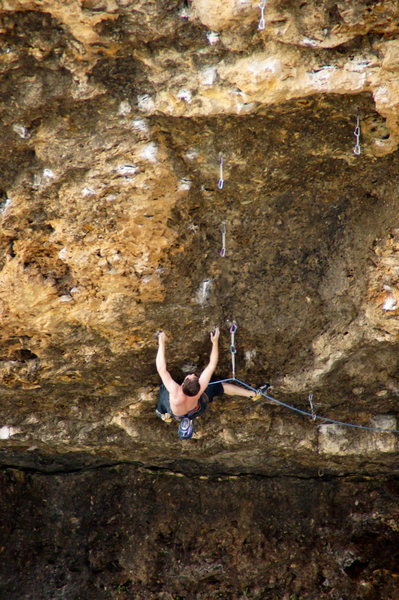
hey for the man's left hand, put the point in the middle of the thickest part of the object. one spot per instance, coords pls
(161, 337)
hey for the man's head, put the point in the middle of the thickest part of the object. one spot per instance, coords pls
(190, 385)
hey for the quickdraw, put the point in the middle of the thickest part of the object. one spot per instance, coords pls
(222, 251)
(262, 22)
(233, 349)
(221, 180)
(356, 133)
(310, 399)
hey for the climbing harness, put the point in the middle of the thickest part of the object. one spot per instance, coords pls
(304, 412)
(222, 251)
(310, 399)
(356, 133)
(262, 22)
(233, 349)
(221, 180)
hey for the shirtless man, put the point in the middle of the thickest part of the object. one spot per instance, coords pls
(188, 400)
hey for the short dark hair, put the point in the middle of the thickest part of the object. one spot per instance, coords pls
(191, 387)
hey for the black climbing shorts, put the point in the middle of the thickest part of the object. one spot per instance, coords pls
(213, 390)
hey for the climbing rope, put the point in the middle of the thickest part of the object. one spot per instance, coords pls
(303, 412)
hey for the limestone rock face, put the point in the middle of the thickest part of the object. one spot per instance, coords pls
(134, 133)
(119, 120)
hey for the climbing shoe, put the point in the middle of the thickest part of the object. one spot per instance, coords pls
(166, 417)
(186, 428)
(260, 391)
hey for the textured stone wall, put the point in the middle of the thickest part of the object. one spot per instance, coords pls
(121, 534)
(114, 118)
(115, 115)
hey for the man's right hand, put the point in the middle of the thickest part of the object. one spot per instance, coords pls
(215, 335)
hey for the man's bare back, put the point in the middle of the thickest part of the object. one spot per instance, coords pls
(182, 404)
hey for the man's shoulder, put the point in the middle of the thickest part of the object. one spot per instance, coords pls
(171, 385)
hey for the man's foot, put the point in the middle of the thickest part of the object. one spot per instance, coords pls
(259, 395)
(166, 417)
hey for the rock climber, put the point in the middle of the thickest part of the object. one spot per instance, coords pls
(189, 400)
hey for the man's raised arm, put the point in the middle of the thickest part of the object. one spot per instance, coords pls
(160, 362)
(207, 373)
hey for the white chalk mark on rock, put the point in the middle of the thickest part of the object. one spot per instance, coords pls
(204, 291)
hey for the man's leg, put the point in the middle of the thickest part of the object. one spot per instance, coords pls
(230, 389)
(163, 410)
(235, 390)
